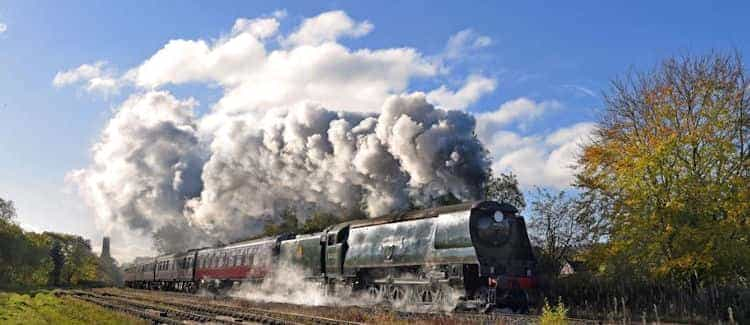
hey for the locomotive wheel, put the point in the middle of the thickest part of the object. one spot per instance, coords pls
(432, 295)
(374, 293)
(397, 294)
(427, 295)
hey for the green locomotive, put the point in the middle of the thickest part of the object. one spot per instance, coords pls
(479, 250)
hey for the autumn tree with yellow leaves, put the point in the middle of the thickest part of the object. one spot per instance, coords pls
(670, 161)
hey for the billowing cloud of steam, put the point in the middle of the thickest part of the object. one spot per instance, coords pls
(146, 165)
(151, 172)
(410, 152)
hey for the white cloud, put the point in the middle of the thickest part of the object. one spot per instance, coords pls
(94, 78)
(255, 78)
(464, 42)
(474, 88)
(260, 28)
(279, 14)
(3, 28)
(328, 27)
(581, 89)
(521, 110)
(538, 159)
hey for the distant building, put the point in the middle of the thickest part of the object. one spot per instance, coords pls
(109, 271)
(570, 267)
(105, 248)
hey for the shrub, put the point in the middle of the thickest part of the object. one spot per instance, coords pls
(556, 315)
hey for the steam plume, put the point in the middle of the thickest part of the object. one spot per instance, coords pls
(149, 172)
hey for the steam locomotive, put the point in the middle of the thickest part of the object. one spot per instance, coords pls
(479, 249)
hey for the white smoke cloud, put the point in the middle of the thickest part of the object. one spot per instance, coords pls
(146, 164)
(410, 152)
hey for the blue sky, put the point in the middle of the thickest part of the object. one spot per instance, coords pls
(559, 56)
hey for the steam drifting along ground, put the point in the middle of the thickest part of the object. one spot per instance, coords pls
(288, 285)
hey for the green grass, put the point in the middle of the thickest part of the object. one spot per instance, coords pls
(45, 308)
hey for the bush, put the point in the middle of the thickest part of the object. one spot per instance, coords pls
(556, 315)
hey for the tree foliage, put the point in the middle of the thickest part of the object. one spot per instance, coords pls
(315, 222)
(554, 227)
(669, 168)
(29, 259)
(504, 188)
(7, 210)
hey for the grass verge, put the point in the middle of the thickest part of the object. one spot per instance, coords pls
(44, 307)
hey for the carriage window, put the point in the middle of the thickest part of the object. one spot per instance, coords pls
(332, 239)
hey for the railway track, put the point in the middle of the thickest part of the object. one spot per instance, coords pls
(225, 309)
(173, 310)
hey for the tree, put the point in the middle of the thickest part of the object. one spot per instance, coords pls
(7, 210)
(670, 163)
(504, 188)
(318, 222)
(555, 227)
(287, 224)
(58, 261)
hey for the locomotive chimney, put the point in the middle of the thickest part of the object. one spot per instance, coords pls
(105, 248)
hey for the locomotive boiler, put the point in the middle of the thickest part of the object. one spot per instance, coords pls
(480, 250)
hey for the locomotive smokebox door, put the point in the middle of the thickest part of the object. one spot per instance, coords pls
(336, 246)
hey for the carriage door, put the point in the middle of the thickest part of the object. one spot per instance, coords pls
(336, 250)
